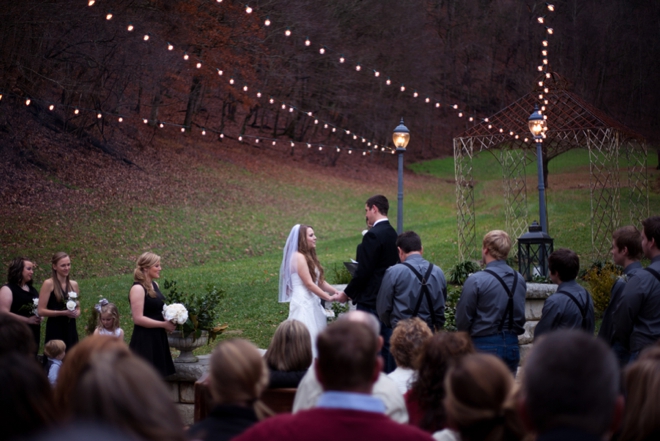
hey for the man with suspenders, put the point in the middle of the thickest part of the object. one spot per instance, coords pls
(413, 288)
(571, 306)
(637, 319)
(492, 305)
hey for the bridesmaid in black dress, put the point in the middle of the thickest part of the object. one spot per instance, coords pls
(53, 297)
(150, 329)
(17, 296)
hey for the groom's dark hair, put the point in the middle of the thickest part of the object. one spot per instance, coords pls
(380, 202)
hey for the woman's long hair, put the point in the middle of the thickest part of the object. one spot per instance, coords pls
(144, 262)
(120, 389)
(291, 347)
(428, 388)
(238, 375)
(57, 288)
(15, 271)
(641, 418)
(310, 255)
(480, 401)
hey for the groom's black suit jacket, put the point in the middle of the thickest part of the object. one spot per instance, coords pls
(376, 253)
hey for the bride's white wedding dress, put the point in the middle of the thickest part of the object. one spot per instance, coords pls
(306, 307)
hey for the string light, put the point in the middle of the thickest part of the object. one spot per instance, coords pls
(146, 37)
(551, 8)
(245, 88)
(415, 94)
(130, 27)
(258, 94)
(144, 120)
(108, 16)
(183, 129)
(545, 43)
(76, 111)
(358, 67)
(427, 100)
(550, 31)
(322, 50)
(91, 2)
(307, 42)
(287, 32)
(248, 9)
(99, 116)
(169, 47)
(267, 22)
(51, 107)
(403, 88)
(341, 59)
(186, 56)
(540, 20)
(120, 119)
(437, 105)
(198, 65)
(376, 73)
(388, 81)
(161, 125)
(231, 80)
(271, 100)
(220, 72)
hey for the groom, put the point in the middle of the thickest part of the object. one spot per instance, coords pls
(376, 253)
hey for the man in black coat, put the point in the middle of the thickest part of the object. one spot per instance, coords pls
(376, 254)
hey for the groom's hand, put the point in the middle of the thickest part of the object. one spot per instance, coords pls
(342, 297)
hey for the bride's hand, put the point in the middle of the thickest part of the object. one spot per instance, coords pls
(340, 297)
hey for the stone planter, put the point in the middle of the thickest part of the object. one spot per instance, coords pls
(187, 345)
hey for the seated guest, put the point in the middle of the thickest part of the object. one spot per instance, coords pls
(641, 418)
(238, 376)
(479, 402)
(424, 398)
(570, 388)
(348, 365)
(310, 389)
(405, 344)
(122, 390)
(289, 354)
(26, 398)
(571, 306)
(77, 361)
(15, 336)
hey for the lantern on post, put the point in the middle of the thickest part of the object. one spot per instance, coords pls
(400, 137)
(534, 247)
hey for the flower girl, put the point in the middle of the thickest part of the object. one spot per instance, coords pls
(108, 322)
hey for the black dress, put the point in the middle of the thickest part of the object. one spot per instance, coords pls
(60, 328)
(20, 297)
(151, 343)
(224, 422)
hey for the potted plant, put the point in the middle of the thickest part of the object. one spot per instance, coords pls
(200, 327)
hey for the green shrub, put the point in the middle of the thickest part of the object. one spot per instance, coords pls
(600, 278)
(453, 295)
(339, 275)
(461, 271)
(202, 309)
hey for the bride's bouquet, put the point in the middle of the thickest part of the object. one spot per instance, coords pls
(175, 313)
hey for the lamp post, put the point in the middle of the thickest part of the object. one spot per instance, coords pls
(537, 126)
(400, 137)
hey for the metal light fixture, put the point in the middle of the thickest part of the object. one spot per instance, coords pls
(534, 248)
(400, 137)
(537, 126)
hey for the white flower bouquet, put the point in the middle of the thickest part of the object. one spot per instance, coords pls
(175, 313)
(72, 295)
(71, 305)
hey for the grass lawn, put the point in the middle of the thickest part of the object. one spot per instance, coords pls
(230, 231)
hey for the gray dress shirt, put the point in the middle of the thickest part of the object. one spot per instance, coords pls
(559, 311)
(400, 291)
(607, 327)
(483, 302)
(637, 319)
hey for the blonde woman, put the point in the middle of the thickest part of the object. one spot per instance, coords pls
(289, 354)
(150, 329)
(54, 296)
(237, 377)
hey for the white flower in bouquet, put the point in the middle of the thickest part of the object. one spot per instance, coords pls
(175, 313)
(35, 306)
(71, 305)
(73, 295)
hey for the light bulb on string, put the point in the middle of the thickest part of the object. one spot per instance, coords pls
(548, 75)
(388, 81)
(320, 148)
(307, 42)
(544, 53)
(271, 101)
(490, 126)
(358, 67)
(341, 59)
(427, 100)
(540, 68)
(283, 106)
(183, 129)
(108, 16)
(76, 111)
(517, 136)
(161, 125)
(364, 153)
(338, 150)
(460, 114)
(258, 94)
(240, 138)
(540, 83)
(309, 145)
(186, 56)
(354, 136)
(144, 120)
(545, 43)
(540, 96)
(415, 94)
(376, 73)
(287, 32)
(369, 144)
(546, 90)
(510, 133)
(540, 20)
(274, 142)
(551, 7)
(120, 119)
(543, 108)
(322, 50)
(348, 132)
(545, 102)
(550, 31)
(364, 140)
(526, 140)
(248, 10)
(221, 136)
(316, 121)
(501, 130)
(256, 141)
(99, 116)
(325, 126)
(203, 132)
(231, 80)
(403, 88)
(290, 109)
(146, 37)
(309, 114)
(350, 152)
(220, 72)
(169, 46)
(245, 88)
(51, 107)
(130, 27)
(267, 22)
(334, 129)
(198, 65)
(91, 2)
(292, 144)
(437, 105)
(455, 106)
(471, 119)
(545, 61)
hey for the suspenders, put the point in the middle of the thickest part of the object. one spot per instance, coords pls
(654, 272)
(509, 305)
(583, 311)
(424, 292)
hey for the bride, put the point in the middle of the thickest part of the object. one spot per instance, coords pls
(302, 282)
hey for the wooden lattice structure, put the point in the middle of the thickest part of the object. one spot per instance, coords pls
(572, 123)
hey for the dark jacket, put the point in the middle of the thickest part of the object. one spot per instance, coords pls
(223, 423)
(282, 379)
(377, 253)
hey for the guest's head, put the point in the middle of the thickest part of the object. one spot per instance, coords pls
(498, 244)
(348, 358)
(147, 268)
(479, 401)
(409, 242)
(571, 380)
(291, 347)
(626, 243)
(641, 418)
(651, 236)
(407, 339)
(238, 373)
(77, 361)
(428, 388)
(26, 398)
(120, 389)
(307, 247)
(55, 349)
(20, 271)
(380, 202)
(15, 336)
(60, 269)
(365, 318)
(564, 265)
